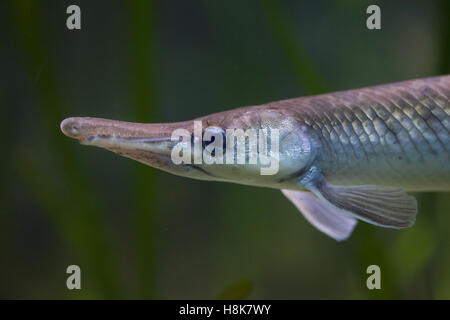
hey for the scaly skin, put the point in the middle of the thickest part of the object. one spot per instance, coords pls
(395, 134)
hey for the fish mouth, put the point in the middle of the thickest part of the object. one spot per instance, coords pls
(100, 132)
(150, 144)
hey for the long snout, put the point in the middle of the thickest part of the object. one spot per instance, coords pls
(150, 144)
(84, 127)
(134, 139)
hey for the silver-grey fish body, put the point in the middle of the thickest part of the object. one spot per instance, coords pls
(396, 134)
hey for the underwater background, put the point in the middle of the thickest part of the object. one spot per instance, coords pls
(140, 233)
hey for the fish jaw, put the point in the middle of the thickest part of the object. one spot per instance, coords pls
(159, 145)
(150, 144)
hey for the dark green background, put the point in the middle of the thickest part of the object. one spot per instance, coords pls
(139, 233)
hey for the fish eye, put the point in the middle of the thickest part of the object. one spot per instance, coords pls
(212, 132)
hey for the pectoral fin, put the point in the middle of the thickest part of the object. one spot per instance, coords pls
(383, 206)
(325, 217)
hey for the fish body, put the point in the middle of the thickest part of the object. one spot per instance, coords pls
(338, 157)
(395, 134)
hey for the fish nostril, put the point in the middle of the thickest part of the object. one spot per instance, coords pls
(70, 127)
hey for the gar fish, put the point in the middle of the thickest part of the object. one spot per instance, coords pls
(341, 156)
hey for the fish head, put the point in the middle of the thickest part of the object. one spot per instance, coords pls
(252, 145)
(255, 145)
